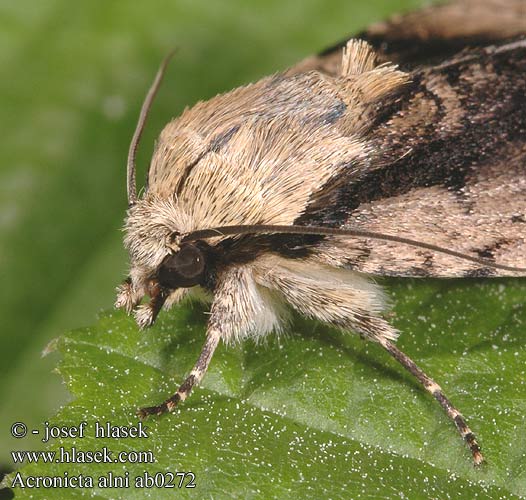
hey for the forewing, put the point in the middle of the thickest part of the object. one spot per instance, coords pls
(448, 168)
(485, 219)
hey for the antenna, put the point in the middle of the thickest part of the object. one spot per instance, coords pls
(134, 144)
(334, 231)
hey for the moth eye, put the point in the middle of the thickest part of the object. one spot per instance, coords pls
(184, 269)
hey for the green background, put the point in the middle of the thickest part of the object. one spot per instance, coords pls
(74, 76)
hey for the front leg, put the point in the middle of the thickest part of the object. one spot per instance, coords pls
(240, 309)
(212, 340)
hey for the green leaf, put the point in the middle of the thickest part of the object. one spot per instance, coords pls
(319, 413)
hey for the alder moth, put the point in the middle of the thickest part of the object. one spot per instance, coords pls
(401, 152)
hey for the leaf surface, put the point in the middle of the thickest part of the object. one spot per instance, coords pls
(318, 413)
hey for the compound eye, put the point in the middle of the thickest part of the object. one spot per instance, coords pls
(184, 269)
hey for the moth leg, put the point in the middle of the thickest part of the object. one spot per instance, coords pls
(197, 373)
(146, 314)
(436, 391)
(233, 314)
(127, 297)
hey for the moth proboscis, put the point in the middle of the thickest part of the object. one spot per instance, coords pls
(291, 191)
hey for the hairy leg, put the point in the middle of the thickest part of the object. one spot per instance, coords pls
(436, 391)
(197, 373)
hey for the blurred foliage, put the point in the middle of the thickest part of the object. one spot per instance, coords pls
(74, 77)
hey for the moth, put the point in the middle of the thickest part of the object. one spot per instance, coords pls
(401, 152)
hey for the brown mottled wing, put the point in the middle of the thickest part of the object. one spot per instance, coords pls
(448, 168)
(487, 218)
(432, 34)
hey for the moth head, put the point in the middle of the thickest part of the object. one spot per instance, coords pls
(185, 268)
(160, 262)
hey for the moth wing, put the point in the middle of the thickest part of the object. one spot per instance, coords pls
(431, 34)
(486, 219)
(448, 167)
